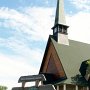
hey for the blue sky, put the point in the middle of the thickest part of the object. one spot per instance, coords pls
(24, 29)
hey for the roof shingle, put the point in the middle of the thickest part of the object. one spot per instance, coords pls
(72, 56)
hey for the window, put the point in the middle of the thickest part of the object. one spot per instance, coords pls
(64, 30)
(55, 30)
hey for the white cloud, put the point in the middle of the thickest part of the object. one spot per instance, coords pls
(46, 1)
(27, 22)
(79, 27)
(26, 28)
(31, 54)
(12, 68)
(33, 24)
(81, 4)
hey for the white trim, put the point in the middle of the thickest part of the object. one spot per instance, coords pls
(76, 87)
(87, 88)
(41, 82)
(64, 87)
(53, 87)
(57, 87)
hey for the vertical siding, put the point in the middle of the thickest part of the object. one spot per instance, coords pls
(52, 63)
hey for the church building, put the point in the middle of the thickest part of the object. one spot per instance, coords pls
(66, 63)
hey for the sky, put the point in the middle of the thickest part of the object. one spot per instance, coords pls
(25, 26)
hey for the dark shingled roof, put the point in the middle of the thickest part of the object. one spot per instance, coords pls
(71, 58)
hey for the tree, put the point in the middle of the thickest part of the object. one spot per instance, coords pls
(85, 69)
(3, 88)
(87, 76)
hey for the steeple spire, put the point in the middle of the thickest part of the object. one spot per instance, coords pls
(60, 16)
(60, 27)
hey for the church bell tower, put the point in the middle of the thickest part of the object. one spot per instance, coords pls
(60, 28)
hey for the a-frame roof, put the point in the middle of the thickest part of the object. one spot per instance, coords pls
(51, 66)
(71, 58)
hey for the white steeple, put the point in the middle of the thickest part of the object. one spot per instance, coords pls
(60, 27)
